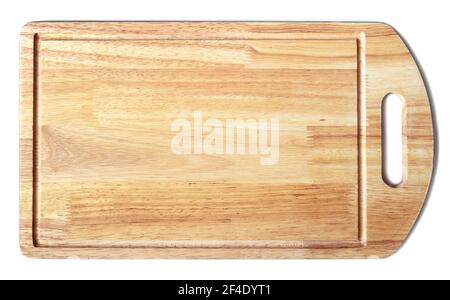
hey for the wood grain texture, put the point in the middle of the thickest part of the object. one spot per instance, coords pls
(99, 180)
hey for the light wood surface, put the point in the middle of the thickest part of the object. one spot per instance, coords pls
(99, 178)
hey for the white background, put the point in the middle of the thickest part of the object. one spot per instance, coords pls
(425, 26)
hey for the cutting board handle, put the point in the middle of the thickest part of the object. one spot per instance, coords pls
(390, 67)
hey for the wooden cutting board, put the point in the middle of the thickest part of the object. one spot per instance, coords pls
(216, 140)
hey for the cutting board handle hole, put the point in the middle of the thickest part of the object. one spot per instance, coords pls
(393, 141)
